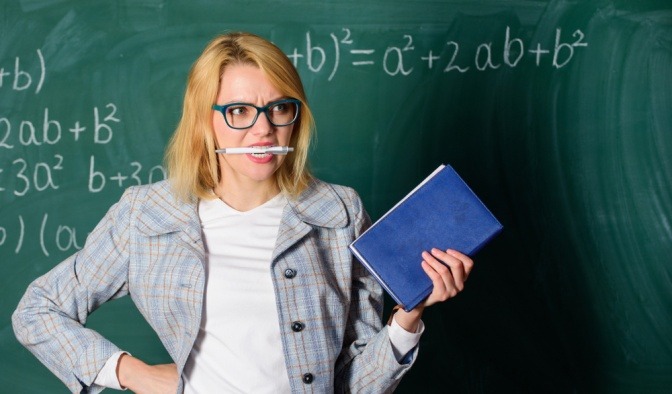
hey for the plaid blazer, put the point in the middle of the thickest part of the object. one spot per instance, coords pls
(149, 245)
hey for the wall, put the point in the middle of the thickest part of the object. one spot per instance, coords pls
(557, 114)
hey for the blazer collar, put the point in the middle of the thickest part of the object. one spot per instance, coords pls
(162, 213)
(319, 205)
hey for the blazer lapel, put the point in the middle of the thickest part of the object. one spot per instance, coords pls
(164, 214)
(291, 230)
(317, 206)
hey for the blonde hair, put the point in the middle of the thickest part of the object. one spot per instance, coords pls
(190, 157)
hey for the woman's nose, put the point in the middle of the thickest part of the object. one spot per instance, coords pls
(262, 126)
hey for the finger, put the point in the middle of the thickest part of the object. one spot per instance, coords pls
(445, 283)
(456, 267)
(466, 260)
(432, 268)
(439, 290)
(434, 276)
(442, 289)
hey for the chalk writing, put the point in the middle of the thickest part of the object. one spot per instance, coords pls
(51, 131)
(136, 176)
(103, 132)
(21, 230)
(64, 238)
(397, 54)
(35, 169)
(18, 79)
(38, 175)
(402, 58)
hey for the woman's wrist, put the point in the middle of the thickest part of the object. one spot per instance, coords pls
(128, 367)
(409, 321)
(137, 376)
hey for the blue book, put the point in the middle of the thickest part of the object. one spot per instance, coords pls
(441, 212)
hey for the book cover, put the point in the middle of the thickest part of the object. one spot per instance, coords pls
(441, 212)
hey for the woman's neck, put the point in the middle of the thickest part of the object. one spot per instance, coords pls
(246, 196)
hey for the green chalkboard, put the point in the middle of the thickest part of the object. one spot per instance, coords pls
(557, 113)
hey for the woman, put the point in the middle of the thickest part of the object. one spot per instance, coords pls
(239, 261)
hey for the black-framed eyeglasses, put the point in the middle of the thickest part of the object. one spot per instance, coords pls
(241, 116)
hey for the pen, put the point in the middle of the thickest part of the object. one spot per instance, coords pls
(276, 150)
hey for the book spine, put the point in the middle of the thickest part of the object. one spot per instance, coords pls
(412, 304)
(484, 242)
(373, 272)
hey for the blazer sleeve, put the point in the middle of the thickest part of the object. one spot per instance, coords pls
(50, 317)
(367, 363)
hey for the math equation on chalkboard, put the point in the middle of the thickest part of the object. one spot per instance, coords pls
(47, 147)
(402, 58)
(25, 175)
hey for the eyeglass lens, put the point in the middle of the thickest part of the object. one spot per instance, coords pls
(242, 116)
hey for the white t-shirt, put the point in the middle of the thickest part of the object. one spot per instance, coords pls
(238, 348)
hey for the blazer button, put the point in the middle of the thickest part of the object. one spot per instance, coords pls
(297, 326)
(290, 273)
(308, 378)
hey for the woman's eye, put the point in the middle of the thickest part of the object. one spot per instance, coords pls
(237, 111)
(282, 107)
